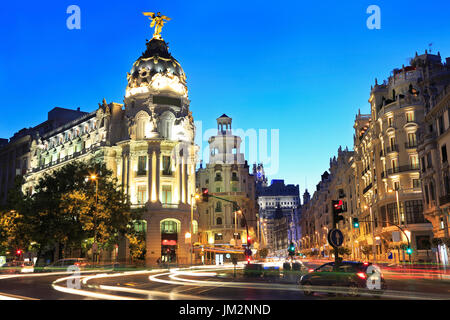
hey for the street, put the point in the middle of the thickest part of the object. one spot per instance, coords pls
(199, 283)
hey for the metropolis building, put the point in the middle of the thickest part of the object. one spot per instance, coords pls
(148, 143)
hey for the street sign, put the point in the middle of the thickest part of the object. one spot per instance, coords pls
(390, 255)
(335, 238)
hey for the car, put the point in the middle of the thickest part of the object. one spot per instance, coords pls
(63, 264)
(27, 267)
(350, 274)
(17, 266)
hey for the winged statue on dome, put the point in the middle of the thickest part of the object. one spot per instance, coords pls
(157, 21)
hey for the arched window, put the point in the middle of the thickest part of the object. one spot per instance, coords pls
(142, 118)
(140, 225)
(219, 220)
(166, 124)
(170, 226)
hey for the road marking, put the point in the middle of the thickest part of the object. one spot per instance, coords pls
(9, 296)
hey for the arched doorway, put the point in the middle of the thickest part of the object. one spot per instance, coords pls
(169, 240)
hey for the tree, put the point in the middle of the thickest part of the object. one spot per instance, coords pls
(263, 252)
(366, 250)
(344, 251)
(63, 209)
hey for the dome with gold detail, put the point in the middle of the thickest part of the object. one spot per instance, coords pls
(156, 71)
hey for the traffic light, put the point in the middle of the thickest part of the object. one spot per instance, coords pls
(409, 250)
(205, 194)
(337, 208)
(291, 249)
(249, 240)
(355, 223)
(18, 252)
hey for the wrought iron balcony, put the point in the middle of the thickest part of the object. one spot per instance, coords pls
(403, 169)
(141, 173)
(393, 148)
(367, 188)
(411, 144)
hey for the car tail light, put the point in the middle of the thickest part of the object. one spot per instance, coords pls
(77, 264)
(366, 263)
(362, 275)
(310, 270)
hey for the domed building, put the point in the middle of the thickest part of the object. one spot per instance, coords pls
(148, 142)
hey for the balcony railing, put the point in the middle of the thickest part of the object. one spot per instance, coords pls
(141, 173)
(218, 178)
(403, 169)
(167, 172)
(393, 148)
(365, 171)
(367, 188)
(411, 144)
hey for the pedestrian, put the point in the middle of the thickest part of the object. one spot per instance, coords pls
(158, 261)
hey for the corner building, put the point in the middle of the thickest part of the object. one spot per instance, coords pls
(148, 142)
(226, 176)
(389, 185)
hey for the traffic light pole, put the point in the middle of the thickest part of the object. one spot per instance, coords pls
(235, 206)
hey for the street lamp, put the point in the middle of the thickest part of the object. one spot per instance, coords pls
(191, 229)
(397, 189)
(94, 177)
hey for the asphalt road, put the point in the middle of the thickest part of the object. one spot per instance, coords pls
(200, 284)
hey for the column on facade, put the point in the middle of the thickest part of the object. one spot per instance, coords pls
(185, 181)
(180, 178)
(150, 173)
(158, 173)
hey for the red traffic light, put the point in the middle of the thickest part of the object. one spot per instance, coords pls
(338, 204)
(18, 252)
(205, 194)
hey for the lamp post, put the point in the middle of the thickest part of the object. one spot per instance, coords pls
(94, 177)
(193, 198)
(397, 189)
(373, 231)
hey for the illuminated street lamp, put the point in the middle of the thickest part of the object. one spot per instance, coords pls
(194, 197)
(94, 177)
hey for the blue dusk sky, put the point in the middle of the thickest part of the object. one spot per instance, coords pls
(303, 68)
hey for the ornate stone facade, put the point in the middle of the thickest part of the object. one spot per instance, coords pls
(226, 176)
(148, 142)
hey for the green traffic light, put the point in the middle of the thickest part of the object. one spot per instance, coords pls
(356, 225)
(409, 251)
